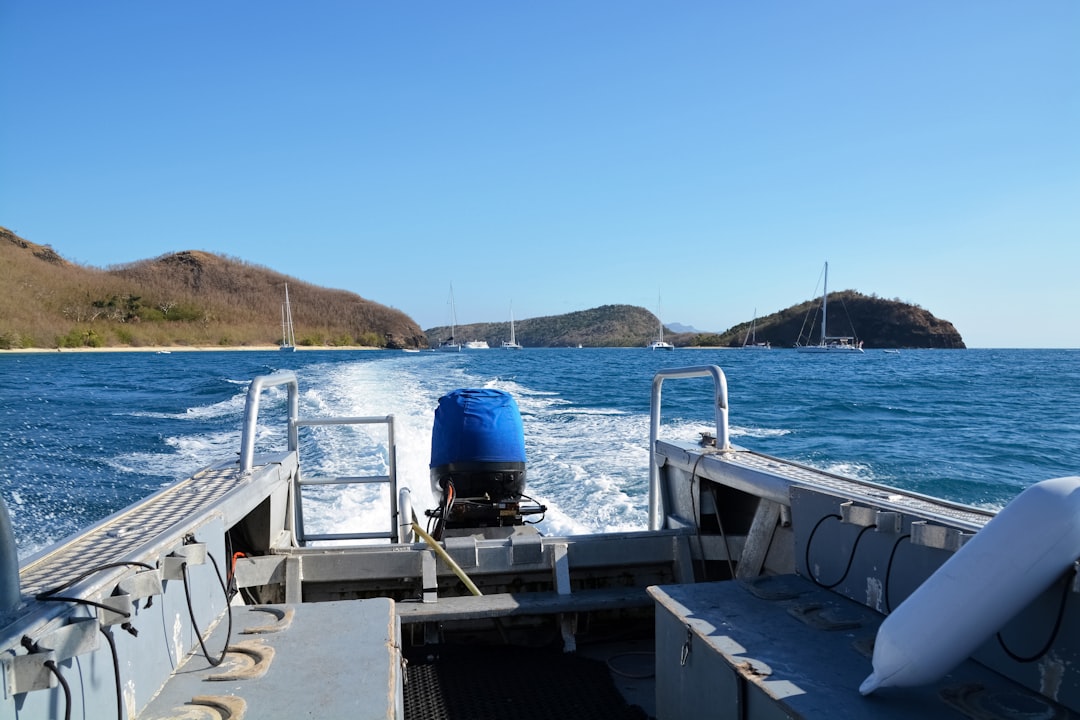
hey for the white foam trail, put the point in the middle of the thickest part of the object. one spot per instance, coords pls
(588, 465)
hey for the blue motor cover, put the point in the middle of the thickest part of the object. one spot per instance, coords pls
(478, 442)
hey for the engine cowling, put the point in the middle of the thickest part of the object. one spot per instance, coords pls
(478, 444)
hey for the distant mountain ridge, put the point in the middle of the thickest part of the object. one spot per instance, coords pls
(605, 326)
(877, 322)
(196, 298)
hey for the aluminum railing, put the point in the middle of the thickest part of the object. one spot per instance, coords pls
(247, 456)
(720, 401)
(303, 537)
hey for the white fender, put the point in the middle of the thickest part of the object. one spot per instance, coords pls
(999, 571)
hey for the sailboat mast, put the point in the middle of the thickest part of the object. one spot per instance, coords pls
(824, 303)
(453, 315)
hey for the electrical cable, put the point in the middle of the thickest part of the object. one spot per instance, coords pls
(191, 612)
(32, 647)
(51, 596)
(851, 557)
(888, 572)
(116, 671)
(64, 684)
(1053, 633)
(719, 521)
(543, 510)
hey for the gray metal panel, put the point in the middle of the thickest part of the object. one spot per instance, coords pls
(165, 633)
(330, 660)
(855, 559)
(797, 654)
(773, 478)
(531, 603)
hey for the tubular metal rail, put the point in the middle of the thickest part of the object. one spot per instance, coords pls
(720, 403)
(247, 454)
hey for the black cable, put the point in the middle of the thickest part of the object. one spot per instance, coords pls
(851, 557)
(64, 684)
(191, 612)
(32, 647)
(116, 672)
(543, 510)
(1053, 634)
(888, 572)
(108, 566)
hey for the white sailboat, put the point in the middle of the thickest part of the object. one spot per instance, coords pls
(450, 344)
(512, 343)
(659, 343)
(750, 342)
(288, 337)
(836, 344)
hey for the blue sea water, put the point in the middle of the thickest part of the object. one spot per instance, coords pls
(85, 434)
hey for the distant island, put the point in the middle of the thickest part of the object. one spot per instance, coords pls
(199, 299)
(879, 323)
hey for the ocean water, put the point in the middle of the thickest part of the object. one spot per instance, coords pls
(85, 434)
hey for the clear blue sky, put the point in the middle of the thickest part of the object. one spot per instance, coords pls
(565, 155)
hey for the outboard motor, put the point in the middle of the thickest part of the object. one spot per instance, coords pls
(478, 460)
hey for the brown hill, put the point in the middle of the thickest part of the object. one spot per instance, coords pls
(188, 298)
(877, 322)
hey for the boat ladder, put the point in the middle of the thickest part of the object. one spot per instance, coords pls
(247, 455)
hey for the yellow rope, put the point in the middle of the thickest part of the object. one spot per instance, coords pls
(441, 552)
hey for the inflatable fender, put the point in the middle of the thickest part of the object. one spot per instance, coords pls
(10, 597)
(1000, 570)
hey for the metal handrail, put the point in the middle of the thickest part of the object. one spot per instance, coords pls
(390, 478)
(720, 402)
(251, 414)
(247, 452)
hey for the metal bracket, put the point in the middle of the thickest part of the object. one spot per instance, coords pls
(938, 536)
(526, 549)
(172, 564)
(142, 584)
(25, 673)
(861, 515)
(888, 521)
(120, 609)
(78, 637)
(463, 550)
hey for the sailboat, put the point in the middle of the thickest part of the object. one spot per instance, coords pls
(830, 343)
(450, 344)
(750, 341)
(512, 343)
(288, 338)
(659, 343)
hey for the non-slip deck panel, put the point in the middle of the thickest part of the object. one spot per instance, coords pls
(327, 660)
(782, 647)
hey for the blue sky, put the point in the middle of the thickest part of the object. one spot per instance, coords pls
(564, 155)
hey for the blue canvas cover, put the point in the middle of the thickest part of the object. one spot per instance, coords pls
(477, 425)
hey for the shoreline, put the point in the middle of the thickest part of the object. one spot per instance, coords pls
(166, 349)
